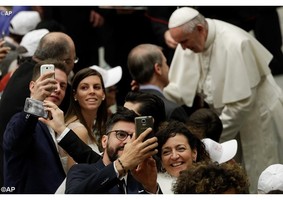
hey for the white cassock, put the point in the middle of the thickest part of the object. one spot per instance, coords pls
(234, 76)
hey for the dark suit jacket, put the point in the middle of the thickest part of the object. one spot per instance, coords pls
(99, 179)
(31, 161)
(77, 149)
(13, 99)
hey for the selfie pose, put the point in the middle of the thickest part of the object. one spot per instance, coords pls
(126, 166)
(31, 160)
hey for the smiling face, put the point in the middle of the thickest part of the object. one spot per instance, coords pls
(112, 145)
(177, 155)
(89, 93)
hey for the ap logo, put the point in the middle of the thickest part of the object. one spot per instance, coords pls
(6, 12)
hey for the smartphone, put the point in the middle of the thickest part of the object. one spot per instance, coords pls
(142, 123)
(35, 107)
(47, 68)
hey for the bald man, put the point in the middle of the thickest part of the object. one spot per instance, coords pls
(148, 67)
(54, 45)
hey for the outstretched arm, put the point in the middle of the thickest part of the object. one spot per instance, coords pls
(67, 139)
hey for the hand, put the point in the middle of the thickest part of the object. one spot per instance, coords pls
(56, 120)
(169, 40)
(96, 19)
(146, 174)
(43, 86)
(137, 150)
(3, 50)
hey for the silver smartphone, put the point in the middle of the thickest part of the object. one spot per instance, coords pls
(142, 123)
(47, 68)
(35, 107)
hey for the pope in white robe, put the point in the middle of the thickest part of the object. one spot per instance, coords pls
(231, 71)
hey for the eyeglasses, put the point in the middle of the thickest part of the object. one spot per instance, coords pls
(69, 61)
(120, 134)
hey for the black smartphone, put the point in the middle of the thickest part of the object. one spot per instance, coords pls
(35, 107)
(142, 123)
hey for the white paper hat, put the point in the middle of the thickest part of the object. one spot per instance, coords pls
(182, 16)
(24, 22)
(30, 41)
(220, 152)
(271, 179)
(110, 76)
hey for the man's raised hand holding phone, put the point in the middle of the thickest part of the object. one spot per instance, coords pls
(43, 86)
(27, 141)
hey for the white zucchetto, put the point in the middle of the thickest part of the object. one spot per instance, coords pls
(182, 16)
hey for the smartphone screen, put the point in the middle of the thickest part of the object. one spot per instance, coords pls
(142, 123)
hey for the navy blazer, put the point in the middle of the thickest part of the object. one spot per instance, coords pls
(31, 161)
(77, 149)
(13, 99)
(99, 179)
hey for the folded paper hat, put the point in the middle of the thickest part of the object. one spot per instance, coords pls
(271, 179)
(110, 76)
(220, 152)
(24, 22)
(182, 16)
(30, 42)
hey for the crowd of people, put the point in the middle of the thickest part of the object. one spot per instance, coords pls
(208, 84)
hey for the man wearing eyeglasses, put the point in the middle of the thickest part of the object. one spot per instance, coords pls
(126, 167)
(142, 103)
